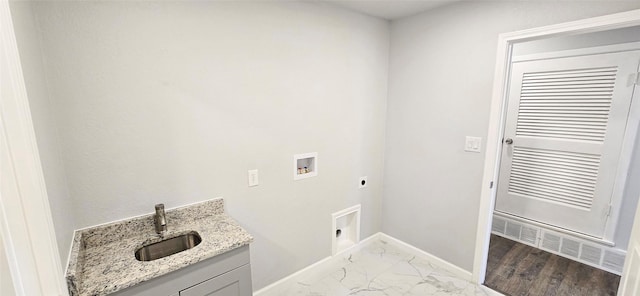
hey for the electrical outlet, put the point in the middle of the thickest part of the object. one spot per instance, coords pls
(253, 178)
(362, 183)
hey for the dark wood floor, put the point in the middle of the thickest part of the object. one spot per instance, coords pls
(516, 269)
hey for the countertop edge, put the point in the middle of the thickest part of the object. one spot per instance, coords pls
(86, 273)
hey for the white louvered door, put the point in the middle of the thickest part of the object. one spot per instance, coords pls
(565, 124)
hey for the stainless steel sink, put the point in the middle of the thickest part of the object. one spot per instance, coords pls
(168, 247)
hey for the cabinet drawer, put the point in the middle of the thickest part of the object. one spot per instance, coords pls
(233, 283)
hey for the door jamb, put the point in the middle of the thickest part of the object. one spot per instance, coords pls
(497, 114)
(26, 225)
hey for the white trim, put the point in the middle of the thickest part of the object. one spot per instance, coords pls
(437, 261)
(25, 216)
(493, 149)
(624, 163)
(491, 163)
(456, 270)
(334, 221)
(326, 261)
(292, 277)
(314, 168)
(596, 24)
(630, 276)
(359, 246)
(577, 52)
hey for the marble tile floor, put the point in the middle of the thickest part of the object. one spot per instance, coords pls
(378, 268)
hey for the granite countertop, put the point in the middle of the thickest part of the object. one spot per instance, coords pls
(102, 258)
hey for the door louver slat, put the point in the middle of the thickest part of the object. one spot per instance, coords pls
(524, 168)
(553, 167)
(571, 73)
(533, 193)
(553, 162)
(563, 185)
(570, 81)
(567, 98)
(594, 121)
(572, 104)
(561, 91)
(576, 182)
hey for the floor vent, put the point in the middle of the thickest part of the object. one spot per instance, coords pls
(551, 242)
(498, 225)
(529, 235)
(613, 260)
(513, 230)
(570, 247)
(591, 254)
(563, 244)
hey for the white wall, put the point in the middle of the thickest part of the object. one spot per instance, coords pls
(441, 72)
(173, 102)
(44, 123)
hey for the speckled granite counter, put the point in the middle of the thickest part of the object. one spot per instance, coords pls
(102, 257)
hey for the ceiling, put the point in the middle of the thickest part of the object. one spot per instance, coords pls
(390, 9)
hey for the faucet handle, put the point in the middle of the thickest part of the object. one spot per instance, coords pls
(160, 219)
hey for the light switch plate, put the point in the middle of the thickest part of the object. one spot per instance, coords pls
(473, 144)
(253, 178)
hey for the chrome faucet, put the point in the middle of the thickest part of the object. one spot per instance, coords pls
(160, 220)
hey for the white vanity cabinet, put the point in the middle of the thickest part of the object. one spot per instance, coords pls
(232, 283)
(227, 274)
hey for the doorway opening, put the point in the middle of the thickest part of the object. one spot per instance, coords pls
(567, 133)
(564, 162)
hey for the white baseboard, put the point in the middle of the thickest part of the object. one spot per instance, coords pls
(359, 246)
(291, 277)
(319, 264)
(459, 272)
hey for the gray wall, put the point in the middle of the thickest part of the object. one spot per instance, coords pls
(631, 196)
(174, 101)
(44, 123)
(440, 82)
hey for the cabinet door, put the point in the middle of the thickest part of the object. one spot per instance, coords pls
(233, 283)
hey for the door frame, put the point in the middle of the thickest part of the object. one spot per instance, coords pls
(498, 114)
(26, 225)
